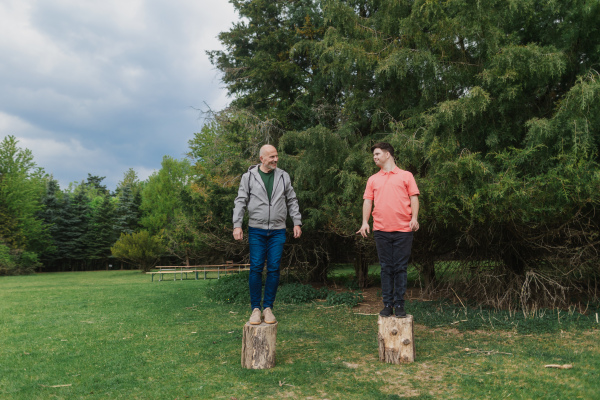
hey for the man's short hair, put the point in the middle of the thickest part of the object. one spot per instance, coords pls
(383, 146)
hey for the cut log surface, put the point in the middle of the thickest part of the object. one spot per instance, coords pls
(396, 340)
(258, 346)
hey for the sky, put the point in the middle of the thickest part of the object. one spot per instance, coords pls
(99, 87)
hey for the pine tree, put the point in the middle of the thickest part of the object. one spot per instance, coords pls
(51, 214)
(78, 246)
(127, 211)
(102, 234)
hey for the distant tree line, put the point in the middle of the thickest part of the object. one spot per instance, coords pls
(492, 104)
(84, 226)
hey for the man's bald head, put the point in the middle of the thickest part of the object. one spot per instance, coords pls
(268, 158)
(267, 148)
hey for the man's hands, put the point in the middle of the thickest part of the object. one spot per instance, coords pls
(238, 233)
(364, 229)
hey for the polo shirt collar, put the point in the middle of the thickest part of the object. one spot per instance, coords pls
(396, 170)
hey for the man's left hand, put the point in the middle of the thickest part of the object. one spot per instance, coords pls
(297, 231)
(414, 225)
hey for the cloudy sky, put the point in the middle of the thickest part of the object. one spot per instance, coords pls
(103, 86)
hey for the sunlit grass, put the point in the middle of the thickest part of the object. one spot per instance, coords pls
(119, 335)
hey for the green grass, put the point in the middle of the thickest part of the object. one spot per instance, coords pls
(118, 335)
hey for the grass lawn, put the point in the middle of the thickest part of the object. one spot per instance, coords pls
(110, 335)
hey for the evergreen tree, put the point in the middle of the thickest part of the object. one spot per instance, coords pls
(127, 211)
(268, 65)
(491, 104)
(74, 238)
(51, 214)
(65, 232)
(94, 186)
(102, 234)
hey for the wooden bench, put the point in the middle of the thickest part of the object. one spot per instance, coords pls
(185, 269)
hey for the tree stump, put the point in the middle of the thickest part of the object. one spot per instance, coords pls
(396, 340)
(258, 346)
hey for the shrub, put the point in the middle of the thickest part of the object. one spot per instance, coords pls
(16, 261)
(349, 299)
(7, 263)
(139, 248)
(350, 282)
(297, 293)
(27, 262)
(233, 289)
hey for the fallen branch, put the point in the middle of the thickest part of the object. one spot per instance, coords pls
(57, 386)
(485, 352)
(564, 366)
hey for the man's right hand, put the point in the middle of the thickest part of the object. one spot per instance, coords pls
(238, 233)
(364, 229)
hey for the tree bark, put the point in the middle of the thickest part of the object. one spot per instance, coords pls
(361, 266)
(428, 272)
(258, 346)
(396, 340)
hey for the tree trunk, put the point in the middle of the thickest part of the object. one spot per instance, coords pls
(396, 340)
(427, 272)
(258, 346)
(361, 266)
(514, 262)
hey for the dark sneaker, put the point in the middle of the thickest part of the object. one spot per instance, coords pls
(386, 312)
(400, 313)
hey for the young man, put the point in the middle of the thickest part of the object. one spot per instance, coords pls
(267, 192)
(396, 197)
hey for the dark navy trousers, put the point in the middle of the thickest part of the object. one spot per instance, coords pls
(393, 249)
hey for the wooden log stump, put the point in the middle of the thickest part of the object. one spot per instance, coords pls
(396, 340)
(258, 346)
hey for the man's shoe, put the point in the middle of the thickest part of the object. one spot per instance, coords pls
(255, 317)
(400, 313)
(386, 312)
(269, 317)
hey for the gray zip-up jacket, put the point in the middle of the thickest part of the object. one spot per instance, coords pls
(263, 214)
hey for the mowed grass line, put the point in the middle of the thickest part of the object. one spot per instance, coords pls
(118, 335)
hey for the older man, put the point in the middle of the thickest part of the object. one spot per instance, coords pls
(267, 192)
(396, 197)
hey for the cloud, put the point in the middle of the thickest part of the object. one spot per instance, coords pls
(107, 85)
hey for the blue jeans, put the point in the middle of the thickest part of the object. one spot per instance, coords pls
(393, 249)
(264, 244)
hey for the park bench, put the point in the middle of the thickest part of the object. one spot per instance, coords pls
(227, 268)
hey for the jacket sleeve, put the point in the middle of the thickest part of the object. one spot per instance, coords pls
(292, 201)
(241, 202)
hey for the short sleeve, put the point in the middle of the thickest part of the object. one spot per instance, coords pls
(369, 190)
(411, 185)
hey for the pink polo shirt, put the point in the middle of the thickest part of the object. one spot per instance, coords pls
(391, 193)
